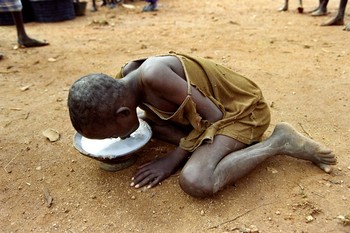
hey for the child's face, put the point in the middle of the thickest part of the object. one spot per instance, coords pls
(114, 129)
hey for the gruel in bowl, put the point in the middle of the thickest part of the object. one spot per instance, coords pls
(114, 153)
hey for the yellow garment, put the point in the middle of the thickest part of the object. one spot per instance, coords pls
(246, 115)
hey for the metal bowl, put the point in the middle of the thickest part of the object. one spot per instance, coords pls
(114, 153)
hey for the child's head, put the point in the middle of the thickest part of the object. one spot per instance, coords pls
(96, 110)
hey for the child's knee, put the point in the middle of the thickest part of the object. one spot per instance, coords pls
(195, 184)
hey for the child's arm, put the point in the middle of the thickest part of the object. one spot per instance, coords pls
(162, 77)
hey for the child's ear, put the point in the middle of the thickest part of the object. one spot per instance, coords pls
(123, 112)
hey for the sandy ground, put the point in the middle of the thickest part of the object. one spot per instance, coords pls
(302, 68)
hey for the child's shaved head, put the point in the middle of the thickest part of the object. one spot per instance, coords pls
(92, 100)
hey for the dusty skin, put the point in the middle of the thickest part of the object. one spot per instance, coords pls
(302, 68)
(289, 142)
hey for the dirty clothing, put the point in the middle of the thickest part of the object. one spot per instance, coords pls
(246, 115)
(10, 5)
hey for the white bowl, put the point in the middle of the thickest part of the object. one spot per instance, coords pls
(114, 153)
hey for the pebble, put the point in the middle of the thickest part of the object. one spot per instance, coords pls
(25, 88)
(133, 198)
(51, 134)
(202, 212)
(254, 229)
(309, 218)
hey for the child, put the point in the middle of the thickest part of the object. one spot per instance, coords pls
(215, 116)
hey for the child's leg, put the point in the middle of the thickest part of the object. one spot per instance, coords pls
(214, 166)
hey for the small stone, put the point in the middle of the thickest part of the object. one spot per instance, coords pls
(345, 220)
(278, 213)
(25, 88)
(133, 198)
(254, 229)
(202, 212)
(51, 134)
(128, 6)
(272, 170)
(38, 168)
(348, 167)
(309, 218)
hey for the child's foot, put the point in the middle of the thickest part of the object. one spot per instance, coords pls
(32, 43)
(150, 7)
(294, 144)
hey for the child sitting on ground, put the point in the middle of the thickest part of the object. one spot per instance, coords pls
(215, 116)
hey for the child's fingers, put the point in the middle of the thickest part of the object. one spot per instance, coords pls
(146, 180)
(144, 165)
(139, 176)
(154, 183)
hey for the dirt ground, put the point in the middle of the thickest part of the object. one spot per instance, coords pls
(302, 68)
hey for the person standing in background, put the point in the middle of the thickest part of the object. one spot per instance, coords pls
(15, 7)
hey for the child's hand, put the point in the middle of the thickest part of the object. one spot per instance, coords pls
(154, 172)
